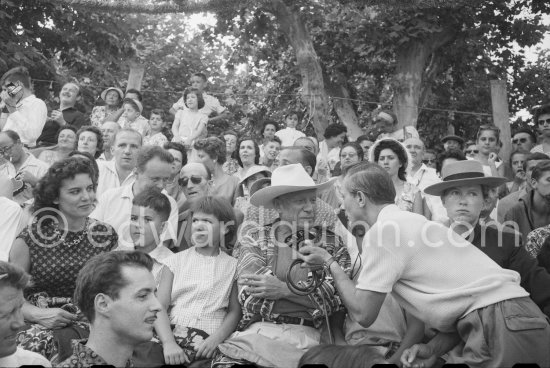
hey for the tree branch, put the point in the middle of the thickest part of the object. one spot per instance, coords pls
(150, 7)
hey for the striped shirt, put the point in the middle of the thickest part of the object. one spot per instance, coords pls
(258, 253)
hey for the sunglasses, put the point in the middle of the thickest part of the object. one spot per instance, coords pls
(520, 140)
(194, 179)
(5, 150)
(472, 151)
(429, 161)
(544, 122)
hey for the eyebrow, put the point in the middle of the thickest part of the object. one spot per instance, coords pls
(148, 290)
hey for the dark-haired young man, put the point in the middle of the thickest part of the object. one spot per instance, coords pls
(524, 140)
(542, 122)
(116, 292)
(27, 113)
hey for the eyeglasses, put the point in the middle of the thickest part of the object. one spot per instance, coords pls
(194, 179)
(428, 161)
(520, 140)
(544, 122)
(473, 151)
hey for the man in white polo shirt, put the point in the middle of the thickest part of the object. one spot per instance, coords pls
(477, 308)
(120, 171)
(154, 167)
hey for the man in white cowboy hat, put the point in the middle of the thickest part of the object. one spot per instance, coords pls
(278, 326)
(464, 197)
(477, 307)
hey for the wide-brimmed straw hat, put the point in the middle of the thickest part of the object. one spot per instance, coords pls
(463, 173)
(453, 138)
(118, 90)
(255, 170)
(287, 179)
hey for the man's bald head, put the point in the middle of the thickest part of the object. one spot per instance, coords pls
(298, 155)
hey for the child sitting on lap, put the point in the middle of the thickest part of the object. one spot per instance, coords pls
(156, 136)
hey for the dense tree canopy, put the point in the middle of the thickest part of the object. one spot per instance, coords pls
(364, 53)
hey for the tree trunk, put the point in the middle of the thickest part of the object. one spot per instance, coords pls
(313, 88)
(411, 73)
(342, 105)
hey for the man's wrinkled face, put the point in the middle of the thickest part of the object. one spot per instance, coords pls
(297, 208)
(416, 149)
(194, 180)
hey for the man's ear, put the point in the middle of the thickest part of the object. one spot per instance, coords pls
(309, 170)
(362, 199)
(102, 303)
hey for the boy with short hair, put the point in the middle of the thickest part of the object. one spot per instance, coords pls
(132, 118)
(149, 216)
(156, 136)
(271, 149)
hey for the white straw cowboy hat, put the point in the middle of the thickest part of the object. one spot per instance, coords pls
(287, 179)
(462, 173)
(118, 90)
(255, 170)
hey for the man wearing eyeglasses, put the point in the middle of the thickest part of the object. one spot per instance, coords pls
(154, 167)
(196, 182)
(542, 120)
(20, 165)
(524, 140)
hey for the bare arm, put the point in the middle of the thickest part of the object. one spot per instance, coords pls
(114, 116)
(413, 335)
(173, 354)
(228, 326)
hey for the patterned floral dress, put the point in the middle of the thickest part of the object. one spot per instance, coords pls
(56, 257)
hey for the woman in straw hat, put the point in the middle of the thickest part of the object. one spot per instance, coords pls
(464, 192)
(279, 326)
(112, 97)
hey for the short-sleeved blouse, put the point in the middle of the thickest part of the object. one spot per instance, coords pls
(56, 256)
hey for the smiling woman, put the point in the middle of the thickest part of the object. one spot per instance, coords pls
(53, 248)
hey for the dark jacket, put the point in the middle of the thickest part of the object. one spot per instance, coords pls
(509, 253)
(520, 213)
(49, 133)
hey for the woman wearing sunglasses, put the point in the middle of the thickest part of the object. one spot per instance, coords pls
(542, 121)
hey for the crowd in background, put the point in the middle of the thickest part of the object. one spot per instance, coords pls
(149, 241)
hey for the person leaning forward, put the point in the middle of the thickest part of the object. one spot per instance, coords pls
(477, 307)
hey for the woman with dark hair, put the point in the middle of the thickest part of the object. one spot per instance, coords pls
(88, 156)
(90, 139)
(247, 155)
(66, 142)
(230, 166)
(394, 158)
(268, 132)
(52, 249)
(211, 152)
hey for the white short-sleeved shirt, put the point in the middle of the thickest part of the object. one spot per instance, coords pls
(433, 272)
(115, 206)
(108, 177)
(28, 120)
(10, 219)
(24, 357)
(201, 289)
(288, 136)
(211, 104)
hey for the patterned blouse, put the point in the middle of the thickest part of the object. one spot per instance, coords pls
(536, 239)
(98, 114)
(157, 139)
(57, 256)
(259, 254)
(231, 166)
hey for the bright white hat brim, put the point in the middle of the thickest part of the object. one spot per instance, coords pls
(264, 197)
